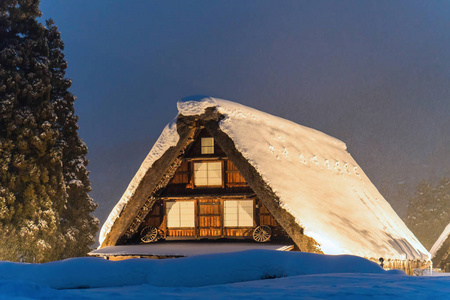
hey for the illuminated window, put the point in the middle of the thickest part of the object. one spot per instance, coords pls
(180, 214)
(208, 173)
(238, 213)
(207, 145)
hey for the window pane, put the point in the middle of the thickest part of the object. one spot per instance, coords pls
(246, 213)
(207, 145)
(173, 214)
(207, 141)
(208, 173)
(214, 166)
(187, 218)
(238, 213)
(230, 210)
(215, 173)
(180, 214)
(201, 181)
(201, 173)
(214, 181)
(201, 167)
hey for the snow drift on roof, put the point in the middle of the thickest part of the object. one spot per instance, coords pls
(440, 241)
(314, 177)
(317, 181)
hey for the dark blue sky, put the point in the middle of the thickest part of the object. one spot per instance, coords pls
(375, 74)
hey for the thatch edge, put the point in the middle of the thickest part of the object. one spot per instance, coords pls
(148, 183)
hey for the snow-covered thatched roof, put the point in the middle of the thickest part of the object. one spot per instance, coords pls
(312, 176)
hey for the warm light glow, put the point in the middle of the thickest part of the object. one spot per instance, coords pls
(208, 173)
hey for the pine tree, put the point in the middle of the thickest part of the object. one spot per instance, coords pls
(429, 211)
(38, 165)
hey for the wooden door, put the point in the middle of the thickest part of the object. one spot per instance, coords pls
(209, 218)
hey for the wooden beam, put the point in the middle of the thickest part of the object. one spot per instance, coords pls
(189, 159)
(209, 196)
(222, 233)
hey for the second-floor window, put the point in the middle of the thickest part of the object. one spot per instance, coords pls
(208, 173)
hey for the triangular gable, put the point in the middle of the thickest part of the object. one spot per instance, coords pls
(142, 201)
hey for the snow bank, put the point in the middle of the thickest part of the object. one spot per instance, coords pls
(440, 241)
(296, 275)
(317, 181)
(366, 286)
(201, 270)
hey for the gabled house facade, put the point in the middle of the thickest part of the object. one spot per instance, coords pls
(221, 170)
(207, 198)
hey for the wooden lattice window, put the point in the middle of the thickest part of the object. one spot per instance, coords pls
(180, 214)
(208, 173)
(238, 213)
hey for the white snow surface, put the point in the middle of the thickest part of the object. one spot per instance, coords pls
(190, 271)
(239, 275)
(440, 241)
(313, 175)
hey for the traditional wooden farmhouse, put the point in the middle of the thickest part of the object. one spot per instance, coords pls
(221, 170)
(440, 252)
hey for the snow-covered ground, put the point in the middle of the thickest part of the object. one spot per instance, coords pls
(259, 274)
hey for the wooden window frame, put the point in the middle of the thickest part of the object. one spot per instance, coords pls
(180, 201)
(222, 185)
(239, 227)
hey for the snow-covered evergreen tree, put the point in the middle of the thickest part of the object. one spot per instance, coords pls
(429, 211)
(41, 155)
(78, 226)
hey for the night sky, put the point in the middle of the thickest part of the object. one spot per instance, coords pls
(374, 74)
